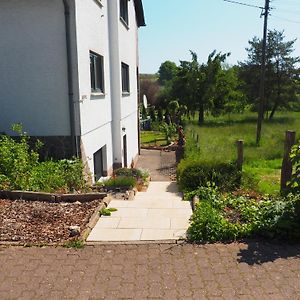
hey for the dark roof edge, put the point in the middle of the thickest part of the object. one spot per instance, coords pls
(139, 10)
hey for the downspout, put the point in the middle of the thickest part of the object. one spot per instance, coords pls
(75, 150)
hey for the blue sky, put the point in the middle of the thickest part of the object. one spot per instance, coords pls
(176, 26)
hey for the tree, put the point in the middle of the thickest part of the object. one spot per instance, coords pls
(150, 88)
(195, 83)
(167, 72)
(282, 74)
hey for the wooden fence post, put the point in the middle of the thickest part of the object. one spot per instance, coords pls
(240, 154)
(287, 166)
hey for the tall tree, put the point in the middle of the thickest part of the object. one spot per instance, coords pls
(167, 72)
(282, 73)
(195, 83)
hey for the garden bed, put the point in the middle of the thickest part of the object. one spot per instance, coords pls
(39, 222)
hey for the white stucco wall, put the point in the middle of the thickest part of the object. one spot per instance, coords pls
(95, 110)
(128, 41)
(33, 67)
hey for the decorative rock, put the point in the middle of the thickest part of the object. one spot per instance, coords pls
(74, 231)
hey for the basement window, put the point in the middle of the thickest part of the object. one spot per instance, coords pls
(97, 73)
(100, 163)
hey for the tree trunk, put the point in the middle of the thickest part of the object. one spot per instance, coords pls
(273, 111)
(201, 114)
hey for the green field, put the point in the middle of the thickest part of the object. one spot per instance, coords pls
(153, 138)
(217, 139)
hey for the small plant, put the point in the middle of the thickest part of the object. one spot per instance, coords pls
(122, 181)
(294, 185)
(107, 211)
(168, 130)
(76, 244)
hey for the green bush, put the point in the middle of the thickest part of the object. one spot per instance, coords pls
(294, 185)
(20, 168)
(122, 181)
(220, 217)
(136, 173)
(192, 174)
(52, 176)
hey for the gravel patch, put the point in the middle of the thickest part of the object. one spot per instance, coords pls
(42, 222)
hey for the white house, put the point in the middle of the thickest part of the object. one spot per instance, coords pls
(69, 74)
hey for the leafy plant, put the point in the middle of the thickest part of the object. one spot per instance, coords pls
(20, 168)
(294, 185)
(122, 181)
(107, 211)
(193, 174)
(220, 217)
(169, 130)
(76, 244)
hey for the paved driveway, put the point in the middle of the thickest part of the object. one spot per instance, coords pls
(236, 271)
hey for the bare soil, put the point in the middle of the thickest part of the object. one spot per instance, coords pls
(38, 222)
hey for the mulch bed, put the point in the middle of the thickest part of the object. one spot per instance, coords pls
(37, 222)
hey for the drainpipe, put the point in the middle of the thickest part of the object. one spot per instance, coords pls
(75, 149)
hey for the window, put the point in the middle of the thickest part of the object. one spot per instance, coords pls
(125, 78)
(100, 163)
(124, 11)
(97, 73)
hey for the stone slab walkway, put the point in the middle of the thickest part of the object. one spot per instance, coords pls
(156, 215)
(253, 270)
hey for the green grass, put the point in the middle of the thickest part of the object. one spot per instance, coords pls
(153, 138)
(218, 136)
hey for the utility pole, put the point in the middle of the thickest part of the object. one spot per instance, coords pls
(263, 74)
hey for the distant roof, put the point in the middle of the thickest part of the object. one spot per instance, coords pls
(140, 17)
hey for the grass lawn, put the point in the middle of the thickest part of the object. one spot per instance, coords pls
(218, 136)
(153, 138)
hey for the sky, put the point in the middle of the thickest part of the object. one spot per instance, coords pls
(176, 26)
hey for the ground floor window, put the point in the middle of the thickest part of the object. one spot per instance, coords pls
(100, 164)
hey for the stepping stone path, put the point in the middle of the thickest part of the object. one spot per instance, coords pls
(156, 215)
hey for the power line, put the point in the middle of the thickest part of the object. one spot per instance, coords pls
(244, 4)
(284, 19)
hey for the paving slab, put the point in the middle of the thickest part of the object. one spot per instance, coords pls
(156, 215)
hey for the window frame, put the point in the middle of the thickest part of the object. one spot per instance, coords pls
(97, 73)
(125, 75)
(124, 12)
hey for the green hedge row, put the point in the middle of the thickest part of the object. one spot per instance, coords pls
(192, 174)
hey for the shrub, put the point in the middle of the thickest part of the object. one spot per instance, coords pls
(122, 181)
(136, 173)
(17, 160)
(20, 168)
(294, 185)
(192, 174)
(52, 176)
(220, 217)
(208, 225)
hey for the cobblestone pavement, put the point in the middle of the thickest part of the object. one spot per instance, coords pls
(252, 270)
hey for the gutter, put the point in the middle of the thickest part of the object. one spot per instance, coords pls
(75, 150)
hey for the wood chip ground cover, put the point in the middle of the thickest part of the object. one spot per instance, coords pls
(42, 222)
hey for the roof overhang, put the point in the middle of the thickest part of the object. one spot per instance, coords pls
(139, 10)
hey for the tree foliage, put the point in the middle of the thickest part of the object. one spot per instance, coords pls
(282, 73)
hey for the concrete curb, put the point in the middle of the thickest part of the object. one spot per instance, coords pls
(51, 197)
(94, 219)
(171, 242)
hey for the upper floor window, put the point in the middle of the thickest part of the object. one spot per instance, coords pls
(125, 78)
(124, 11)
(97, 73)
